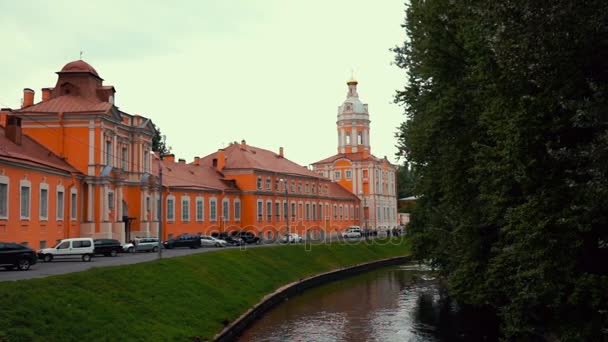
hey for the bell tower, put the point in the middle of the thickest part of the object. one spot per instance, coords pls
(353, 122)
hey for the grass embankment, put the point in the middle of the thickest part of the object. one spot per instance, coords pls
(170, 299)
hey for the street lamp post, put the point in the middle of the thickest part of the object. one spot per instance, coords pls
(287, 236)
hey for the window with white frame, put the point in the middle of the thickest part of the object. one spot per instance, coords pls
(337, 174)
(60, 203)
(268, 184)
(237, 210)
(335, 211)
(148, 207)
(285, 210)
(348, 174)
(25, 199)
(314, 211)
(269, 210)
(213, 209)
(108, 152)
(146, 160)
(276, 184)
(293, 210)
(185, 208)
(124, 158)
(3, 197)
(352, 212)
(73, 205)
(110, 200)
(170, 208)
(226, 209)
(307, 211)
(44, 202)
(314, 188)
(341, 212)
(200, 206)
(260, 210)
(307, 187)
(277, 209)
(259, 184)
(299, 188)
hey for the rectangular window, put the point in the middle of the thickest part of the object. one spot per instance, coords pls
(335, 211)
(337, 175)
(124, 159)
(348, 174)
(25, 202)
(307, 211)
(285, 212)
(259, 184)
(314, 211)
(276, 185)
(293, 211)
(268, 184)
(108, 153)
(237, 210)
(226, 210)
(307, 187)
(185, 209)
(146, 160)
(43, 244)
(314, 188)
(199, 209)
(299, 188)
(269, 210)
(170, 209)
(260, 210)
(293, 186)
(60, 205)
(110, 200)
(213, 209)
(44, 204)
(277, 209)
(73, 206)
(147, 203)
(3, 200)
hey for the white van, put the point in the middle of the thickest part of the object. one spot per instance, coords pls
(69, 248)
(352, 232)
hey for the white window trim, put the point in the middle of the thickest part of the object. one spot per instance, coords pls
(201, 200)
(73, 206)
(187, 198)
(268, 211)
(43, 186)
(259, 213)
(226, 213)
(277, 214)
(348, 174)
(59, 214)
(25, 184)
(172, 212)
(237, 214)
(5, 180)
(213, 218)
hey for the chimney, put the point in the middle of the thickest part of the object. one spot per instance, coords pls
(46, 94)
(169, 158)
(243, 144)
(182, 161)
(281, 151)
(221, 160)
(13, 129)
(197, 160)
(28, 97)
(4, 113)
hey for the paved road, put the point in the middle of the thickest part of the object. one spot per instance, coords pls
(62, 266)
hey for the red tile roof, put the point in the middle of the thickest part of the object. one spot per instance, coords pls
(251, 157)
(339, 192)
(358, 156)
(192, 176)
(31, 153)
(68, 104)
(79, 66)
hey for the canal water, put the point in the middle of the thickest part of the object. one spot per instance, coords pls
(397, 303)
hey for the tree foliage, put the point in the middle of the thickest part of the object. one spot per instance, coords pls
(159, 143)
(507, 131)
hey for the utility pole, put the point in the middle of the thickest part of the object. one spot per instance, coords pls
(160, 220)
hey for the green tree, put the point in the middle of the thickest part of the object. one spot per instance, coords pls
(507, 113)
(159, 143)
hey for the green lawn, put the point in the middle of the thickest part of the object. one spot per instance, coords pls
(170, 299)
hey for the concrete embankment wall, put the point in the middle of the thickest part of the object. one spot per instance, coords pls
(231, 332)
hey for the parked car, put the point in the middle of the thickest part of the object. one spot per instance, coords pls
(247, 237)
(149, 244)
(352, 232)
(184, 240)
(83, 247)
(292, 238)
(107, 247)
(14, 255)
(211, 241)
(231, 240)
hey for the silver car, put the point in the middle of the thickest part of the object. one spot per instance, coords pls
(141, 245)
(210, 241)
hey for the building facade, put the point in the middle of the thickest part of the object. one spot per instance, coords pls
(357, 169)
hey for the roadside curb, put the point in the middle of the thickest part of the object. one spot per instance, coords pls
(232, 331)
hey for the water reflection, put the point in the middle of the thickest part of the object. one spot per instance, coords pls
(401, 303)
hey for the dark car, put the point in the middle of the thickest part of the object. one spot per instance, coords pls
(232, 240)
(107, 247)
(184, 240)
(247, 237)
(13, 256)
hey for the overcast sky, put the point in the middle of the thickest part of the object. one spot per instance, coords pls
(209, 72)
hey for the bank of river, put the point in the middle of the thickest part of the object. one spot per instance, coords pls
(397, 303)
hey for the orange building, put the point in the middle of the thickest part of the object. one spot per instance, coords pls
(39, 192)
(357, 169)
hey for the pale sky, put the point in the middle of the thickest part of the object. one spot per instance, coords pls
(208, 72)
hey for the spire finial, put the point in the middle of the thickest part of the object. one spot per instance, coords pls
(81, 54)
